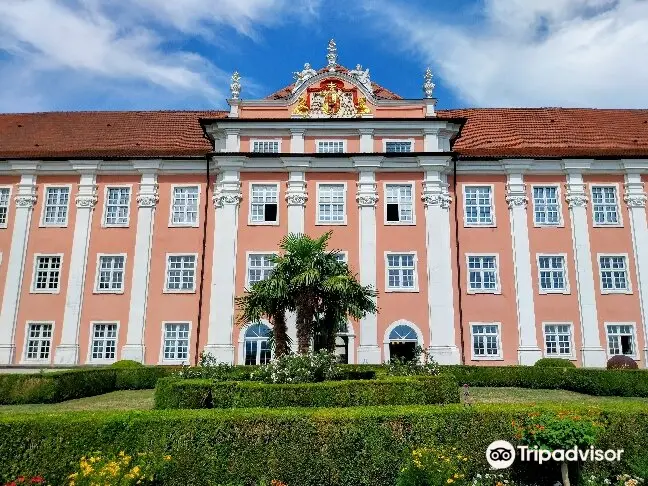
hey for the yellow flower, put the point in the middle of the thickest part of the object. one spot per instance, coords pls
(450, 480)
(167, 458)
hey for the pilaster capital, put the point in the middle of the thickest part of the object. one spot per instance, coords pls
(147, 200)
(297, 132)
(25, 201)
(442, 200)
(86, 200)
(365, 131)
(367, 200)
(296, 199)
(636, 200)
(222, 198)
(147, 166)
(516, 196)
(576, 199)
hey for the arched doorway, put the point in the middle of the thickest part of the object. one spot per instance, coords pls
(401, 342)
(256, 345)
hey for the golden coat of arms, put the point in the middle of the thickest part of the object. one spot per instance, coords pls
(331, 99)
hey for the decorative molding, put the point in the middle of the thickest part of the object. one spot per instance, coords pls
(221, 198)
(86, 200)
(331, 55)
(25, 201)
(367, 199)
(147, 200)
(428, 85)
(235, 86)
(443, 200)
(636, 200)
(576, 199)
(296, 199)
(302, 76)
(362, 76)
(517, 200)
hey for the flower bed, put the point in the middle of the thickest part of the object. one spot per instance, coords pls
(300, 447)
(173, 393)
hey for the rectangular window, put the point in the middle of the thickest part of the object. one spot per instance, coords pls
(110, 274)
(478, 205)
(341, 257)
(330, 146)
(483, 274)
(104, 341)
(399, 201)
(264, 203)
(39, 341)
(605, 205)
(265, 146)
(401, 271)
(181, 273)
(485, 341)
(546, 210)
(330, 203)
(621, 339)
(260, 267)
(398, 146)
(558, 340)
(551, 273)
(184, 207)
(47, 274)
(4, 205)
(614, 273)
(117, 206)
(56, 206)
(176, 341)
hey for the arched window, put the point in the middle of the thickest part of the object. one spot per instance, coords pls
(257, 344)
(402, 343)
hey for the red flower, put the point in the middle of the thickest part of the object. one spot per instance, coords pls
(37, 480)
(12, 483)
(20, 479)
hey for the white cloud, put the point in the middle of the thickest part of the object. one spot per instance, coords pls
(56, 50)
(532, 53)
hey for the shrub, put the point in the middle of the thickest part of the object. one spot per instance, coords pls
(394, 391)
(126, 363)
(554, 363)
(435, 465)
(422, 364)
(301, 447)
(140, 378)
(291, 368)
(621, 362)
(121, 469)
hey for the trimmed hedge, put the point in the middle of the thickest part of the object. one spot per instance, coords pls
(554, 363)
(173, 393)
(305, 447)
(619, 383)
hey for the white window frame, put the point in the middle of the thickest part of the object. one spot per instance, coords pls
(248, 254)
(46, 187)
(564, 291)
(400, 223)
(263, 223)
(603, 291)
(26, 360)
(561, 220)
(328, 140)
(635, 343)
(493, 223)
(617, 191)
(492, 357)
(97, 290)
(498, 284)
(32, 288)
(190, 224)
(164, 361)
(91, 341)
(344, 202)
(264, 140)
(572, 354)
(5, 224)
(385, 140)
(345, 255)
(167, 290)
(415, 288)
(104, 223)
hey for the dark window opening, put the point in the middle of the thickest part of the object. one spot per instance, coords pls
(270, 212)
(342, 349)
(393, 213)
(405, 351)
(626, 345)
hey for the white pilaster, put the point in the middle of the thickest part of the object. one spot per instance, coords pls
(297, 140)
(635, 198)
(232, 140)
(576, 196)
(25, 200)
(441, 315)
(367, 197)
(67, 352)
(366, 140)
(431, 140)
(516, 197)
(227, 198)
(147, 199)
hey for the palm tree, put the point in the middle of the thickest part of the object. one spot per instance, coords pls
(269, 298)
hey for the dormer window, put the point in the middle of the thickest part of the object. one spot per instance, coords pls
(265, 146)
(330, 146)
(398, 146)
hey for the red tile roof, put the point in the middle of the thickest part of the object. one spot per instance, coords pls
(378, 91)
(551, 132)
(104, 134)
(517, 132)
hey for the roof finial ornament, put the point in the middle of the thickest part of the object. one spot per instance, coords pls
(331, 55)
(235, 85)
(428, 85)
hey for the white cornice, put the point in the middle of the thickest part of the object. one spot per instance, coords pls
(328, 125)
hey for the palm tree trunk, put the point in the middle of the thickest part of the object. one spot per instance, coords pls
(280, 333)
(564, 472)
(305, 315)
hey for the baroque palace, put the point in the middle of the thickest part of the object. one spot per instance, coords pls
(492, 235)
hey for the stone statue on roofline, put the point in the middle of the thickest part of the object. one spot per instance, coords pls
(362, 77)
(302, 76)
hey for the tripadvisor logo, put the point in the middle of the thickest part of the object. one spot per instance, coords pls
(501, 454)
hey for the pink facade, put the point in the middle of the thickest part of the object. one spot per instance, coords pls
(498, 259)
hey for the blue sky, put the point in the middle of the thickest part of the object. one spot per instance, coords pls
(162, 54)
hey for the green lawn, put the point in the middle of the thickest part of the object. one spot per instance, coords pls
(143, 400)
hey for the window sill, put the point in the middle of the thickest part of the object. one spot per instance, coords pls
(124, 225)
(570, 357)
(476, 225)
(263, 223)
(607, 225)
(184, 225)
(99, 362)
(174, 291)
(554, 292)
(34, 291)
(36, 361)
(99, 292)
(400, 223)
(406, 291)
(477, 292)
(487, 358)
(45, 225)
(174, 362)
(538, 225)
(618, 292)
(331, 223)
